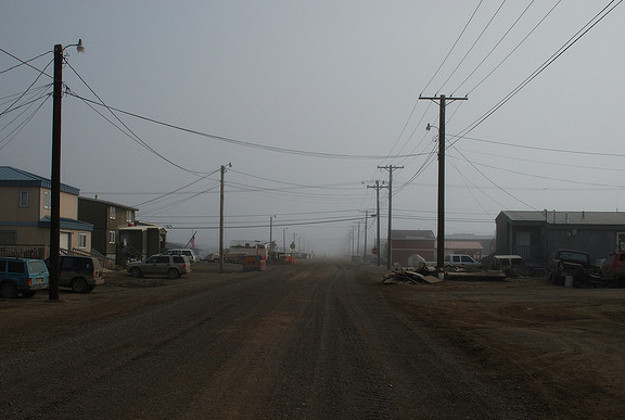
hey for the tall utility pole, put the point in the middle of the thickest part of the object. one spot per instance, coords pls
(377, 187)
(221, 217)
(55, 175)
(271, 233)
(364, 254)
(358, 240)
(440, 236)
(389, 251)
(55, 182)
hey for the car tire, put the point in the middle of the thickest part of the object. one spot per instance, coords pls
(28, 293)
(79, 285)
(135, 272)
(8, 290)
(173, 274)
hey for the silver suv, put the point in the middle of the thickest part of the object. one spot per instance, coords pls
(172, 266)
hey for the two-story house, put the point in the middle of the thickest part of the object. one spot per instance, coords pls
(107, 219)
(25, 201)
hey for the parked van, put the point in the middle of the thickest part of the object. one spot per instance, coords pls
(184, 251)
(22, 275)
(79, 272)
(460, 259)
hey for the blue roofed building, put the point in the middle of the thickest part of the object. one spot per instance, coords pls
(25, 201)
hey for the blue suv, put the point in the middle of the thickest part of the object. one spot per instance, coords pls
(22, 275)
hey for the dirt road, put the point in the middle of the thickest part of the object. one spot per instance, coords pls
(307, 342)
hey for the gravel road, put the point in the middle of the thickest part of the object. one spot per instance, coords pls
(311, 341)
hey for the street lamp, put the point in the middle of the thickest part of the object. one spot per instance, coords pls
(55, 177)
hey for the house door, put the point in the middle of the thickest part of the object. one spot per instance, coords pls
(66, 240)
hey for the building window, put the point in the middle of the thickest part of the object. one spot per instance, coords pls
(111, 212)
(24, 198)
(620, 241)
(8, 237)
(129, 216)
(82, 241)
(47, 200)
(111, 236)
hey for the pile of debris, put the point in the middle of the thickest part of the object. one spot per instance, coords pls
(426, 275)
(418, 273)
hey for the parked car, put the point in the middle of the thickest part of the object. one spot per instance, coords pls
(575, 264)
(79, 272)
(513, 266)
(614, 266)
(461, 259)
(22, 275)
(184, 251)
(172, 266)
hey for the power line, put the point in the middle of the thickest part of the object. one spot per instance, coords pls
(473, 45)
(466, 25)
(414, 107)
(514, 49)
(596, 184)
(176, 190)
(542, 149)
(134, 136)
(26, 91)
(13, 133)
(26, 63)
(249, 144)
(312, 223)
(496, 45)
(568, 44)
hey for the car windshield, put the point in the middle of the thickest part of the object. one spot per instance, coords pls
(574, 256)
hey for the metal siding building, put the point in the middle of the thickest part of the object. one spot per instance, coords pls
(537, 235)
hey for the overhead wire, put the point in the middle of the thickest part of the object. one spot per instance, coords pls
(41, 72)
(515, 48)
(467, 180)
(260, 146)
(496, 45)
(568, 44)
(27, 62)
(176, 190)
(570, 181)
(473, 45)
(130, 133)
(4, 142)
(550, 163)
(538, 148)
(508, 193)
(416, 102)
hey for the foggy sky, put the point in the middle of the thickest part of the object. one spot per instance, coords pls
(337, 78)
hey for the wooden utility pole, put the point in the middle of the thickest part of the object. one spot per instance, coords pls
(389, 250)
(364, 254)
(377, 187)
(221, 217)
(55, 181)
(440, 236)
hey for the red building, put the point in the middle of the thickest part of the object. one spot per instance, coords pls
(405, 243)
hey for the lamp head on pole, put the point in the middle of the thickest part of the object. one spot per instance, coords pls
(80, 48)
